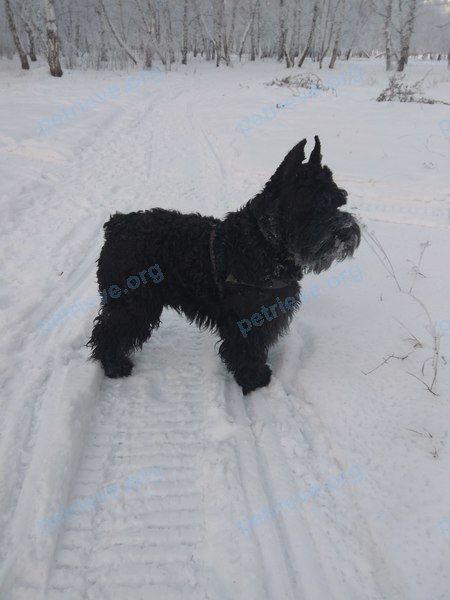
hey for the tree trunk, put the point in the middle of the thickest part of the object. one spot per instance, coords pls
(184, 51)
(101, 26)
(283, 51)
(282, 32)
(31, 44)
(407, 29)
(115, 34)
(52, 39)
(329, 19)
(122, 22)
(169, 33)
(387, 34)
(15, 35)
(247, 30)
(233, 26)
(295, 40)
(150, 27)
(28, 25)
(157, 24)
(337, 40)
(252, 42)
(218, 29)
(311, 33)
(258, 39)
(148, 57)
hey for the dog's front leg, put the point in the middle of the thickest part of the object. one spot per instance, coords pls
(245, 357)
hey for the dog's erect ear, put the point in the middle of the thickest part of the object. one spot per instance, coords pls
(288, 170)
(293, 160)
(298, 152)
(316, 157)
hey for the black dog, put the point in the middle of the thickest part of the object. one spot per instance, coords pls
(220, 273)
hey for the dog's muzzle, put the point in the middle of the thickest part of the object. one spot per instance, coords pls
(340, 241)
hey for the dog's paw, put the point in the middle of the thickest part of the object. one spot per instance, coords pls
(259, 380)
(121, 368)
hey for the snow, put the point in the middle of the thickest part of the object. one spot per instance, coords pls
(330, 483)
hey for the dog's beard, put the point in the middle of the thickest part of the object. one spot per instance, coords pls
(335, 245)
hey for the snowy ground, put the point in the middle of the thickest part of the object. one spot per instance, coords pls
(329, 484)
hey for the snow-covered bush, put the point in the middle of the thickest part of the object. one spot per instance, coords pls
(403, 92)
(308, 81)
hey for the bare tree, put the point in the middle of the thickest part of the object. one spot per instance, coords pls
(406, 31)
(295, 38)
(13, 29)
(311, 33)
(150, 22)
(247, 29)
(282, 31)
(28, 25)
(115, 33)
(329, 19)
(385, 12)
(169, 33)
(337, 39)
(283, 51)
(52, 39)
(387, 33)
(184, 50)
(230, 42)
(101, 25)
(219, 28)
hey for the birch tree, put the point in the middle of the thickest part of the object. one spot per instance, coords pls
(328, 23)
(311, 33)
(101, 27)
(406, 30)
(115, 33)
(15, 35)
(337, 39)
(169, 33)
(150, 23)
(218, 28)
(230, 43)
(295, 38)
(247, 29)
(52, 39)
(283, 51)
(388, 33)
(184, 50)
(28, 25)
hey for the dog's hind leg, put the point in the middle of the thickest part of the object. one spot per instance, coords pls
(246, 357)
(121, 328)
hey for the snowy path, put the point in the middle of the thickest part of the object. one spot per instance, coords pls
(170, 485)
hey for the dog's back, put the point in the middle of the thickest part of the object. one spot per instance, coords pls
(177, 242)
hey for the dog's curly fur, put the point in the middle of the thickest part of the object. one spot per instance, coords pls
(218, 272)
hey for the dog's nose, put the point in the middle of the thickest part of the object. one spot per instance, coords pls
(342, 199)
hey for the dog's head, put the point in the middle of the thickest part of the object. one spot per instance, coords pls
(305, 202)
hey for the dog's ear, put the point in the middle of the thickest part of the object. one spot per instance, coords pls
(316, 158)
(288, 170)
(293, 160)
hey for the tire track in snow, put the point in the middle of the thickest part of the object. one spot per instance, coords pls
(144, 543)
(284, 544)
